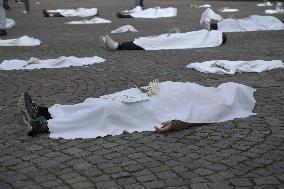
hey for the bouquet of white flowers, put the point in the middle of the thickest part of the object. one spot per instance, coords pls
(152, 89)
(32, 60)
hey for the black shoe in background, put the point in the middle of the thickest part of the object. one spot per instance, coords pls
(3, 32)
(39, 125)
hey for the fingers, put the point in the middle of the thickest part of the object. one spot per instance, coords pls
(164, 129)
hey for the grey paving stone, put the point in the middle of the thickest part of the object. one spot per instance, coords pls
(107, 184)
(266, 180)
(221, 184)
(154, 184)
(146, 178)
(83, 185)
(203, 171)
(166, 175)
(238, 182)
(199, 186)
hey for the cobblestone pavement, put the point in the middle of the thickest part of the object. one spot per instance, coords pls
(243, 153)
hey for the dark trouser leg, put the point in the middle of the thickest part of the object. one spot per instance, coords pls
(214, 26)
(128, 46)
(43, 111)
(120, 15)
(27, 5)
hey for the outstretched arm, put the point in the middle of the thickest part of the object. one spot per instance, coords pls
(175, 125)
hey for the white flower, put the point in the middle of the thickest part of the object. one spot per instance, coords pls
(33, 60)
(153, 88)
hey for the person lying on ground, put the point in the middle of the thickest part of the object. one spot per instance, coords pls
(80, 12)
(188, 40)
(140, 110)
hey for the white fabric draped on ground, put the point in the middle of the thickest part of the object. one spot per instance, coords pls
(95, 20)
(277, 10)
(126, 28)
(10, 23)
(232, 67)
(252, 23)
(176, 100)
(188, 40)
(80, 12)
(265, 4)
(204, 6)
(156, 12)
(226, 9)
(22, 41)
(60, 62)
(208, 15)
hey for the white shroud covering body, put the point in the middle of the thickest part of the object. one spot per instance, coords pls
(126, 28)
(188, 40)
(176, 100)
(153, 12)
(22, 41)
(232, 67)
(95, 20)
(60, 62)
(252, 23)
(80, 12)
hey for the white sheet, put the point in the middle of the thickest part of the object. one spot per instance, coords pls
(60, 62)
(229, 10)
(188, 40)
(80, 12)
(232, 67)
(95, 20)
(265, 4)
(10, 23)
(156, 12)
(252, 23)
(205, 6)
(126, 28)
(278, 10)
(176, 100)
(22, 41)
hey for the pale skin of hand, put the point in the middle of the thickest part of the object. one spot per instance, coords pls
(166, 127)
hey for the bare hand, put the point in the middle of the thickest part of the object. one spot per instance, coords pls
(166, 126)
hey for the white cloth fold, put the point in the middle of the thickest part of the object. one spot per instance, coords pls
(252, 23)
(60, 62)
(187, 102)
(80, 12)
(126, 28)
(232, 67)
(10, 23)
(95, 20)
(156, 12)
(277, 10)
(188, 40)
(208, 15)
(22, 41)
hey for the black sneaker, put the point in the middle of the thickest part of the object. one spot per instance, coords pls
(224, 38)
(28, 108)
(123, 15)
(39, 125)
(3, 32)
(45, 13)
(213, 26)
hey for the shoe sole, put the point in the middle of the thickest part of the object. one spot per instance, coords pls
(103, 42)
(25, 116)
